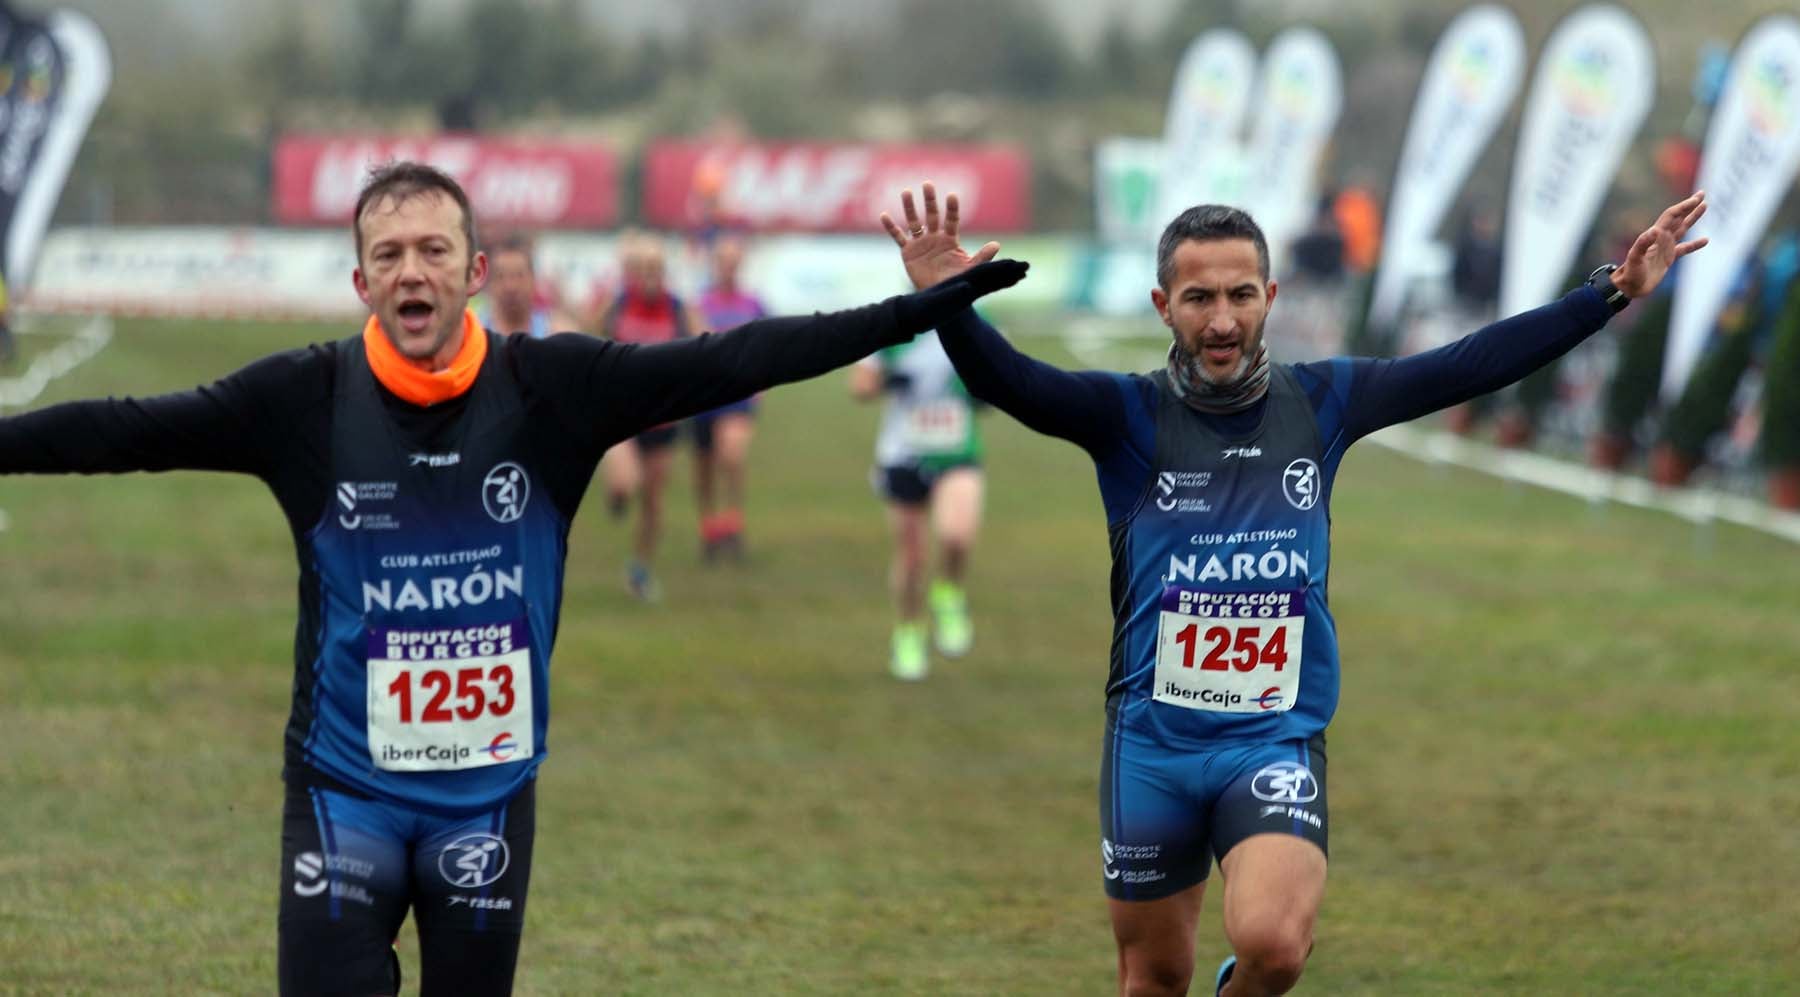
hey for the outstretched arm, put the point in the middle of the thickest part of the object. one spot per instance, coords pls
(626, 388)
(1385, 392)
(219, 427)
(1084, 407)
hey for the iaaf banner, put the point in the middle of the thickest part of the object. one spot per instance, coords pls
(1298, 97)
(829, 187)
(1469, 83)
(1202, 155)
(1593, 86)
(1748, 163)
(535, 183)
(53, 74)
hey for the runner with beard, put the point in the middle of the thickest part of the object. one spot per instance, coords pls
(1216, 474)
(429, 469)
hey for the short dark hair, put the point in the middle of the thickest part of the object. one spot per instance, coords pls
(516, 242)
(403, 179)
(1207, 223)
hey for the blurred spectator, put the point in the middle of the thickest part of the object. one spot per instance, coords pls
(1677, 163)
(515, 299)
(722, 436)
(1318, 253)
(1475, 273)
(645, 312)
(7, 348)
(1359, 222)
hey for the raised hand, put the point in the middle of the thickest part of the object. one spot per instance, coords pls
(934, 305)
(1659, 246)
(930, 248)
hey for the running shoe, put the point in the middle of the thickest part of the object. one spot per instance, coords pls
(1224, 976)
(641, 583)
(911, 660)
(954, 631)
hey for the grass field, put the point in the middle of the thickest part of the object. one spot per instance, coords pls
(1567, 759)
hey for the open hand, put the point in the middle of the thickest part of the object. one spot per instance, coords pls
(929, 248)
(1659, 246)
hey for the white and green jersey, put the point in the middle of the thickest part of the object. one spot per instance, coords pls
(929, 420)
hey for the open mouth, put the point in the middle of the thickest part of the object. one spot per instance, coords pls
(415, 316)
(1219, 352)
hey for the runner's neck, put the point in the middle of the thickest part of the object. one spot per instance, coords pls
(419, 384)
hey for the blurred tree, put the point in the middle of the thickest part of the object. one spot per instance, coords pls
(759, 76)
(1001, 47)
(381, 30)
(1186, 23)
(1120, 65)
(282, 66)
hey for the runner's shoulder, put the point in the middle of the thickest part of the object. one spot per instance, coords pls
(560, 362)
(291, 378)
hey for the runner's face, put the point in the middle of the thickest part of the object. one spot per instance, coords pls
(644, 273)
(511, 283)
(728, 255)
(417, 274)
(1216, 305)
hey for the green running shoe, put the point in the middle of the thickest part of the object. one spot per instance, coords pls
(954, 631)
(910, 661)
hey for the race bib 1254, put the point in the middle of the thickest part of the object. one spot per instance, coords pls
(1230, 652)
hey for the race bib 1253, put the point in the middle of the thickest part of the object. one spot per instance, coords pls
(449, 698)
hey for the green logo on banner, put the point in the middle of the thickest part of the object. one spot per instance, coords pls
(1586, 84)
(1771, 93)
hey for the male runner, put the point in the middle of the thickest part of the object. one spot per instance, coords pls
(722, 435)
(644, 312)
(927, 466)
(429, 469)
(1216, 476)
(514, 303)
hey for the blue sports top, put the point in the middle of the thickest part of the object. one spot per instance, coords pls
(431, 539)
(1220, 525)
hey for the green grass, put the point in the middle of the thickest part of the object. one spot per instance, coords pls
(1567, 759)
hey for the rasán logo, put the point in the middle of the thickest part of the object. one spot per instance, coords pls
(505, 491)
(474, 860)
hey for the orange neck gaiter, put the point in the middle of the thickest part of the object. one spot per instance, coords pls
(426, 388)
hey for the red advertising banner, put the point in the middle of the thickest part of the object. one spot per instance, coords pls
(538, 183)
(823, 187)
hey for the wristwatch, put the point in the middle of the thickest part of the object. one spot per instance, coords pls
(1601, 281)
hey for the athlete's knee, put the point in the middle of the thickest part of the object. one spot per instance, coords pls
(1273, 954)
(956, 543)
(1149, 976)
